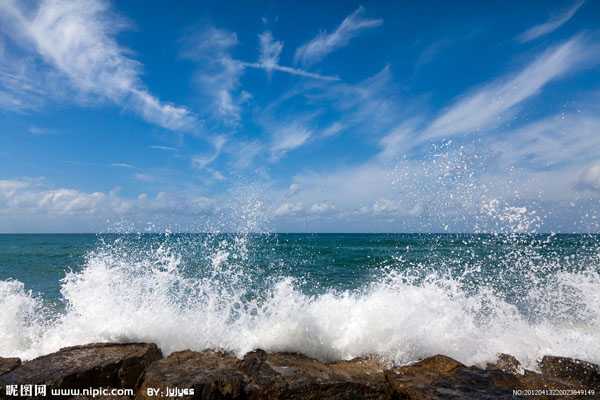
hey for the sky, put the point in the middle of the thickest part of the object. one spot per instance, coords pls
(299, 116)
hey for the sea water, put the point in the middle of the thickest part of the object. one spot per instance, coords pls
(399, 297)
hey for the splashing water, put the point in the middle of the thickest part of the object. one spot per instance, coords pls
(525, 303)
(398, 297)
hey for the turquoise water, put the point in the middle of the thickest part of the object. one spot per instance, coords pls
(333, 296)
(321, 261)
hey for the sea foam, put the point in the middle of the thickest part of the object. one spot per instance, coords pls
(122, 296)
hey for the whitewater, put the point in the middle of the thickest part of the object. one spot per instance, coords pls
(404, 312)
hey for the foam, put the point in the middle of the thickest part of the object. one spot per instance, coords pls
(123, 295)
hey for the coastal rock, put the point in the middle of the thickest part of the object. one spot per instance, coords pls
(509, 364)
(259, 375)
(295, 376)
(116, 365)
(217, 375)
(8, 364)
(441, 377)
(571, 370)
(203, 375)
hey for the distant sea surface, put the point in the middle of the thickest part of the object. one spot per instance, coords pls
(332, 296)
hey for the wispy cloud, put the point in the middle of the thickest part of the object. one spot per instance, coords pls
(219, 74)
(123, 165)
(290, 70)
(270, 51)
(203, 161)
(589, 178)
(569, 138)
(77, 39)
(486, 107)
(552, 24)
(333, 129)
(288, 138)
(164, 148)
(325, 43)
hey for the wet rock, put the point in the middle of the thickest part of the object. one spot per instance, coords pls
(571, 370)
(198, 375)
(216, 375)
(116, 365)
(8, 364)
(295, 376)
(440, 377)
(508, 364)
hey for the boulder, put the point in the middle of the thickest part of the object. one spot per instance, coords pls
(116, 365)
(8, 364)
(509, 364)
(295, 376)
(199, 375)
(572, 371)
(440, 377)
(218, 375)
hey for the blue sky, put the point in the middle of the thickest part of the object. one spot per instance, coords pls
(299, 116)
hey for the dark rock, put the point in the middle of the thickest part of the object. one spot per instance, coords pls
(295, 376)
(509, 364)
(116, 365)
(205, 375)
(571, 370)
(8, 364)
(440, 377)
(217, 375)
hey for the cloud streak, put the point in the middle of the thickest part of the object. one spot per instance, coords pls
(270, 51)
(77, 39)
(486, 107)
(552, 24)
(325, 43)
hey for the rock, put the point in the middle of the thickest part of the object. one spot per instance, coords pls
(203, 375)
(509, 364)
(8, 364)
(440, 377)
(295, 376)
(217, 375)
(116, 365)
(571, 370)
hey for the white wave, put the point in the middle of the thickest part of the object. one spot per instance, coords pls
(118, 297)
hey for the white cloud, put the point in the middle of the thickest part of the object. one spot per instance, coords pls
(333, 129)
(270, 51)
(244, 153)
(322, 208)
(486, 107)
(325, 43)
(371, 104)
(164, 148)
(219, 75)
(289, 209)
(29, 196)
(568, 138)
(290, 70)
(138, 176)
(589, 178)
(203, 161)
(41, 203)
(122, 165)
(77, 39)
(552, 24)
(288, 138)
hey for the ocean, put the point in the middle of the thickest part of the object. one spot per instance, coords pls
(400, 297)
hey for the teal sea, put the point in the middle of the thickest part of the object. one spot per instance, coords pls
(333, 296)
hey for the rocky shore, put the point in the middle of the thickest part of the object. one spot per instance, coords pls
(141, 368)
